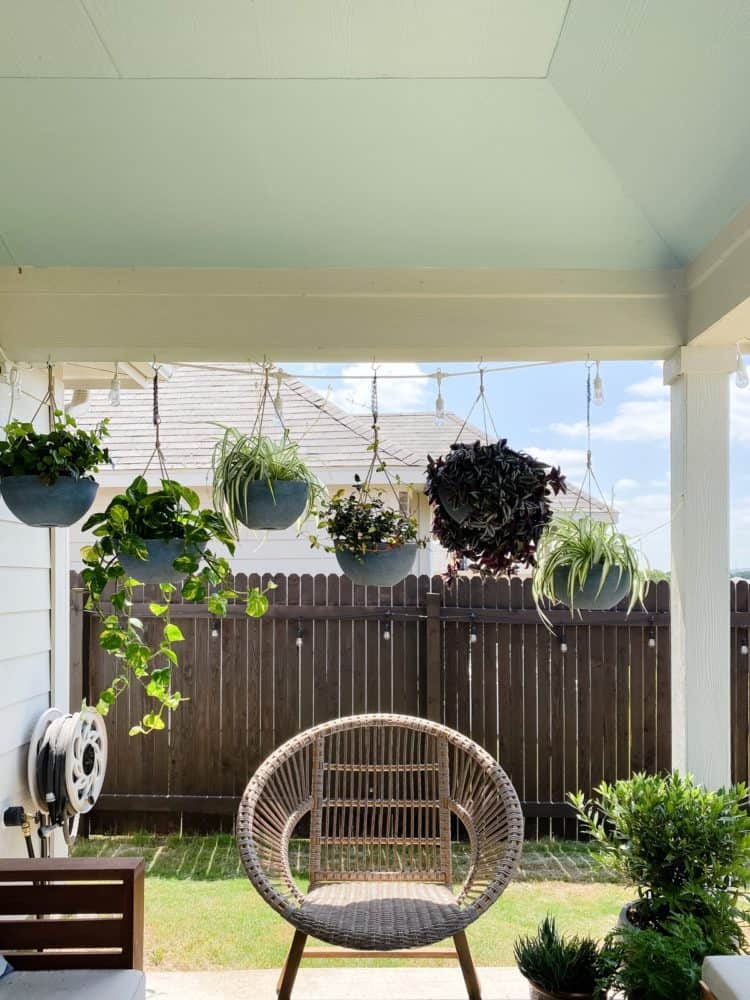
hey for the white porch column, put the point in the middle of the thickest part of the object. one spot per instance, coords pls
(701, 737)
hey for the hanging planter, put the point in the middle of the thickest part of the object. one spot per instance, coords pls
(490, 505)
(586, 565)
(45, 479)
(161, 537)
(262, 483)
(375, 544)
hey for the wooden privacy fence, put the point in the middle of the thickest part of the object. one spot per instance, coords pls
(473, 655)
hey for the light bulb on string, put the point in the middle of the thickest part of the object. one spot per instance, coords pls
(114, 387)
(439, 401)
(215, 630)
(563, 641)
(741, 377)
(473, 633)
(278, 402)
(598, 388)
(300, 635)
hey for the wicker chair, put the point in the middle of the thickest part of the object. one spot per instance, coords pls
(380, 791)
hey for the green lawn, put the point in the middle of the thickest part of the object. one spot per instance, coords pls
(202, 913)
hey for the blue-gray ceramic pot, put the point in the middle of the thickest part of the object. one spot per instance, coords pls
(45, 505)
(382, 568)
(616, 588)
(158, 567)
(264, 510)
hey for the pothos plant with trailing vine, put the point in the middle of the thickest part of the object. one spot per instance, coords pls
(132, 518)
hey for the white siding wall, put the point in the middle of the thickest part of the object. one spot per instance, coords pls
(26, 628)
(266, 552)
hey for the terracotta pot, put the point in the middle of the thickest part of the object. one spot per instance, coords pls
(264, 509)
(586, 598)
(45, 505)
(381, 568)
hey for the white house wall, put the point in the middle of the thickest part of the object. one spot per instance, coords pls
(26, 588)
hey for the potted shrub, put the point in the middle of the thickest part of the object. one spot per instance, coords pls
(260, 482)
(490, 504)
(162, 538)
(46, 479)
(685, 849)
(586, 565)
(558, 967)
(655, 965)
(375, 545)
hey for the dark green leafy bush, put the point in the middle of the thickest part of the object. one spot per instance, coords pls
(685, 849)
(655, 965)
(509, 495)
(67, 450)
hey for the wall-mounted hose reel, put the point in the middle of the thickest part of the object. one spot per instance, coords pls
(65, 770)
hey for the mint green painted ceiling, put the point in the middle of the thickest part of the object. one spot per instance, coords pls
(662, 87)
(526, 133)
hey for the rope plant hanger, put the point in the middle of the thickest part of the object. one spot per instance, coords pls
(374, 544)
(158, 537)
(584, 562)
(489, 502)
(258, 480)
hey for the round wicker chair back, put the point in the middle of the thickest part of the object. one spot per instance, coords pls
(382, 793)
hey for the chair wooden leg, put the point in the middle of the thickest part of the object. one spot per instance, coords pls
(467, 966)
(291, 965)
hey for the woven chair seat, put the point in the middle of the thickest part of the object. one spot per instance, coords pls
(381, 916)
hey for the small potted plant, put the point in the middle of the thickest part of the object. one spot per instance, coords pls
(374, 544)
(46, 479)
(490, 505)
(586, 565)
(559, 967)
(260, 482)
(686, 851)
(160, 538)
(655, 964)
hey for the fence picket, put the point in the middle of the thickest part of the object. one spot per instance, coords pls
(558, 721)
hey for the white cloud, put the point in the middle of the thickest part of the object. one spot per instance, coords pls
(411, 393)
(572, 461)
(645, 519)
(625, 484)
(650, 388)
(646, 420)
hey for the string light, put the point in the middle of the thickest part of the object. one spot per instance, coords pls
(387, 631)
(439, 401)
(651, 634)
(743, 647)
(598, 388)
(114, 387)
(741, 378)
(473, 633)
(278, 402)
(300, 634)
(215, 630)
(563, 641)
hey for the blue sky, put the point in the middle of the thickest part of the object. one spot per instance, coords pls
(543, 410)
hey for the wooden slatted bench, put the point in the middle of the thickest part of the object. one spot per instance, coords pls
(72, 927)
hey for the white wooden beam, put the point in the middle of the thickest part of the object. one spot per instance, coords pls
(701, 721)
(339, 314)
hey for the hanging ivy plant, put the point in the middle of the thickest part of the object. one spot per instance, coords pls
(135, 530)
(490, 505)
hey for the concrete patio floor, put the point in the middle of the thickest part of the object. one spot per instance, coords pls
(336, 984)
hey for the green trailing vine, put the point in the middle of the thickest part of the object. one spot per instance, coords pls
(173, 512)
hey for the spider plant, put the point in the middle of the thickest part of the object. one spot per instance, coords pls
(241, 459)
(580, 561)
